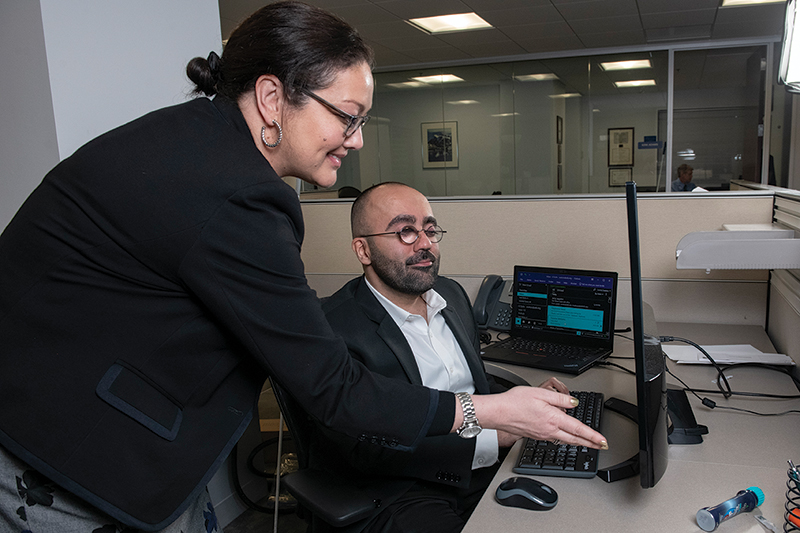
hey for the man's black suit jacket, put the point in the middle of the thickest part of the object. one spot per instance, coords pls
(373, 338)
(147, 287)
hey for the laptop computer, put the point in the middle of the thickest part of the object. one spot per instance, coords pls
(561, 319)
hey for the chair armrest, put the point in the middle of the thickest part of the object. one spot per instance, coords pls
(327, 497)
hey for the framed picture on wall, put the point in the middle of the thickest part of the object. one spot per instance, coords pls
(440, 145)
(620, 147)
(618, 176)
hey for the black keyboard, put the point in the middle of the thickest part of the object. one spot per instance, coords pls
(543, 458)
(577, 353)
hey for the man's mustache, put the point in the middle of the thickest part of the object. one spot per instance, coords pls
(422, 255)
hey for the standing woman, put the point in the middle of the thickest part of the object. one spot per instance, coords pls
(153, 281)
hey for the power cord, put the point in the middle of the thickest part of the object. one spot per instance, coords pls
(711, 404)
(726, 392)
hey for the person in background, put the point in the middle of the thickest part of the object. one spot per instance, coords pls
(401, 319)
(153, 280)
(684, 181)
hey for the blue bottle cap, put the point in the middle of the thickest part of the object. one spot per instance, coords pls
(759, 494)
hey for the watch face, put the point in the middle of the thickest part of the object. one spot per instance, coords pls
(470, 432)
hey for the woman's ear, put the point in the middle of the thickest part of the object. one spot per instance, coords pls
(269, 98)
(361, 249)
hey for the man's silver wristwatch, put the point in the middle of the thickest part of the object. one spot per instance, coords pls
(470, 428)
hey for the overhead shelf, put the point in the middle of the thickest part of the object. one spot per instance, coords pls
(739, 247)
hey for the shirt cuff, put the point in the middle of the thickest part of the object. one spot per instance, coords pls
(486, 449)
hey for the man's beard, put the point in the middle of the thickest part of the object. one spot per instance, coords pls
(403, 279)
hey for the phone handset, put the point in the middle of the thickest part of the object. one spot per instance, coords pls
(492, 307)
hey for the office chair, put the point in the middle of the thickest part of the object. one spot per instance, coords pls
(329, 500)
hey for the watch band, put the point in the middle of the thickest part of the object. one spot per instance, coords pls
(470, 427)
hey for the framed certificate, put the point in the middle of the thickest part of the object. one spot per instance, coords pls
(618, 176)
(620, 147)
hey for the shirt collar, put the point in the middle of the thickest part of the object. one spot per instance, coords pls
(433, 300)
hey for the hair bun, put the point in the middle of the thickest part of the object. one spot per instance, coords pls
(214, 65)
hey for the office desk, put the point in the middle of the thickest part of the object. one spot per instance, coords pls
(740, 450)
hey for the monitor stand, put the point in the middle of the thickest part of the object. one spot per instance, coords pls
(630, 467)
(683, 429)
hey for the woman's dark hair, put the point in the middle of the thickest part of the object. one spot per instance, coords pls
(302, 45)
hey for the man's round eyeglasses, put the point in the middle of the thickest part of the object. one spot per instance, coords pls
(410, 234)
(354, 122)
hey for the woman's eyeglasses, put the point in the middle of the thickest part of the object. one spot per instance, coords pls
(410, 234)
(354, 122)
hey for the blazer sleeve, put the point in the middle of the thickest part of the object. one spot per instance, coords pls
(246, 269)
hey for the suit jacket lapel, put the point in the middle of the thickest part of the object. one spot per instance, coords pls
(388, 331)
(468, 347)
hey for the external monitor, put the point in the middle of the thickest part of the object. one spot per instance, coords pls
(651, 389)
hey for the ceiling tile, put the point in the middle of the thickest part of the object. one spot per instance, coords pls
(597, 9)
(552, 44)
(679, 18)
(364, 14)
(538, 31)
(606, 25)
(666, 6)
(516, 17)
(495, 49)
(602, 40)
(406, 9)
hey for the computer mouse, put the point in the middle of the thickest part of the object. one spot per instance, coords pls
(526, 493)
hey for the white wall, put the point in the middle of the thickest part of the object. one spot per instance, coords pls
(73, 69)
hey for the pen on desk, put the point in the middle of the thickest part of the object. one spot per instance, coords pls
(794, 473)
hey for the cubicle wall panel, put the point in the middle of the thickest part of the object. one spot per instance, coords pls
(491, 236)
(784, 314)
(486, 236)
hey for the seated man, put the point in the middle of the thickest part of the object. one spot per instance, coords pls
(401, 320)
(684, 181)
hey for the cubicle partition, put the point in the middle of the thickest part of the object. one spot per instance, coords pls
(783, 322)
(489, 235)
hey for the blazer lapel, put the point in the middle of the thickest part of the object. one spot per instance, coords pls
(388, 331)
(473, 358)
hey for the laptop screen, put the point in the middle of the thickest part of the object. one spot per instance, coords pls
(564, 305)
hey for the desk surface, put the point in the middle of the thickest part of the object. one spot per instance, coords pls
(740, 450)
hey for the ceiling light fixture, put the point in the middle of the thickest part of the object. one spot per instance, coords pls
(737, 3)
(407, 85)
(536, 77)
(634, 83)
(565, 95)
(438, 78)
(450, 23)
(626, 65)
(463, 102)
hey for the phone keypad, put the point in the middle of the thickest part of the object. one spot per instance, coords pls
(502, 320)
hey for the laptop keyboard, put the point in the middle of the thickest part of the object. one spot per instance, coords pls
(543, 458)
(548, 348)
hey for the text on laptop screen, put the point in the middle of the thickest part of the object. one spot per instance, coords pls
(564, 303)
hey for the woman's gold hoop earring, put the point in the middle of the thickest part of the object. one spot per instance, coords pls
(280, 135)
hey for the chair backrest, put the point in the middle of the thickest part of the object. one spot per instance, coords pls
(298, 422)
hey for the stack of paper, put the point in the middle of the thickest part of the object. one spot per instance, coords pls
(724, 354)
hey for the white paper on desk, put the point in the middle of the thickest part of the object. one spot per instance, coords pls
(724, 354)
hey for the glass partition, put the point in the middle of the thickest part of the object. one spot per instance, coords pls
(572, 125)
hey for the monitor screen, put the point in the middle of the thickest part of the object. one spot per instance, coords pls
(650, 411)
(651, 385)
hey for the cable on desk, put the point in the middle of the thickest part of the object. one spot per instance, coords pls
(713, 405)
(726, 392)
